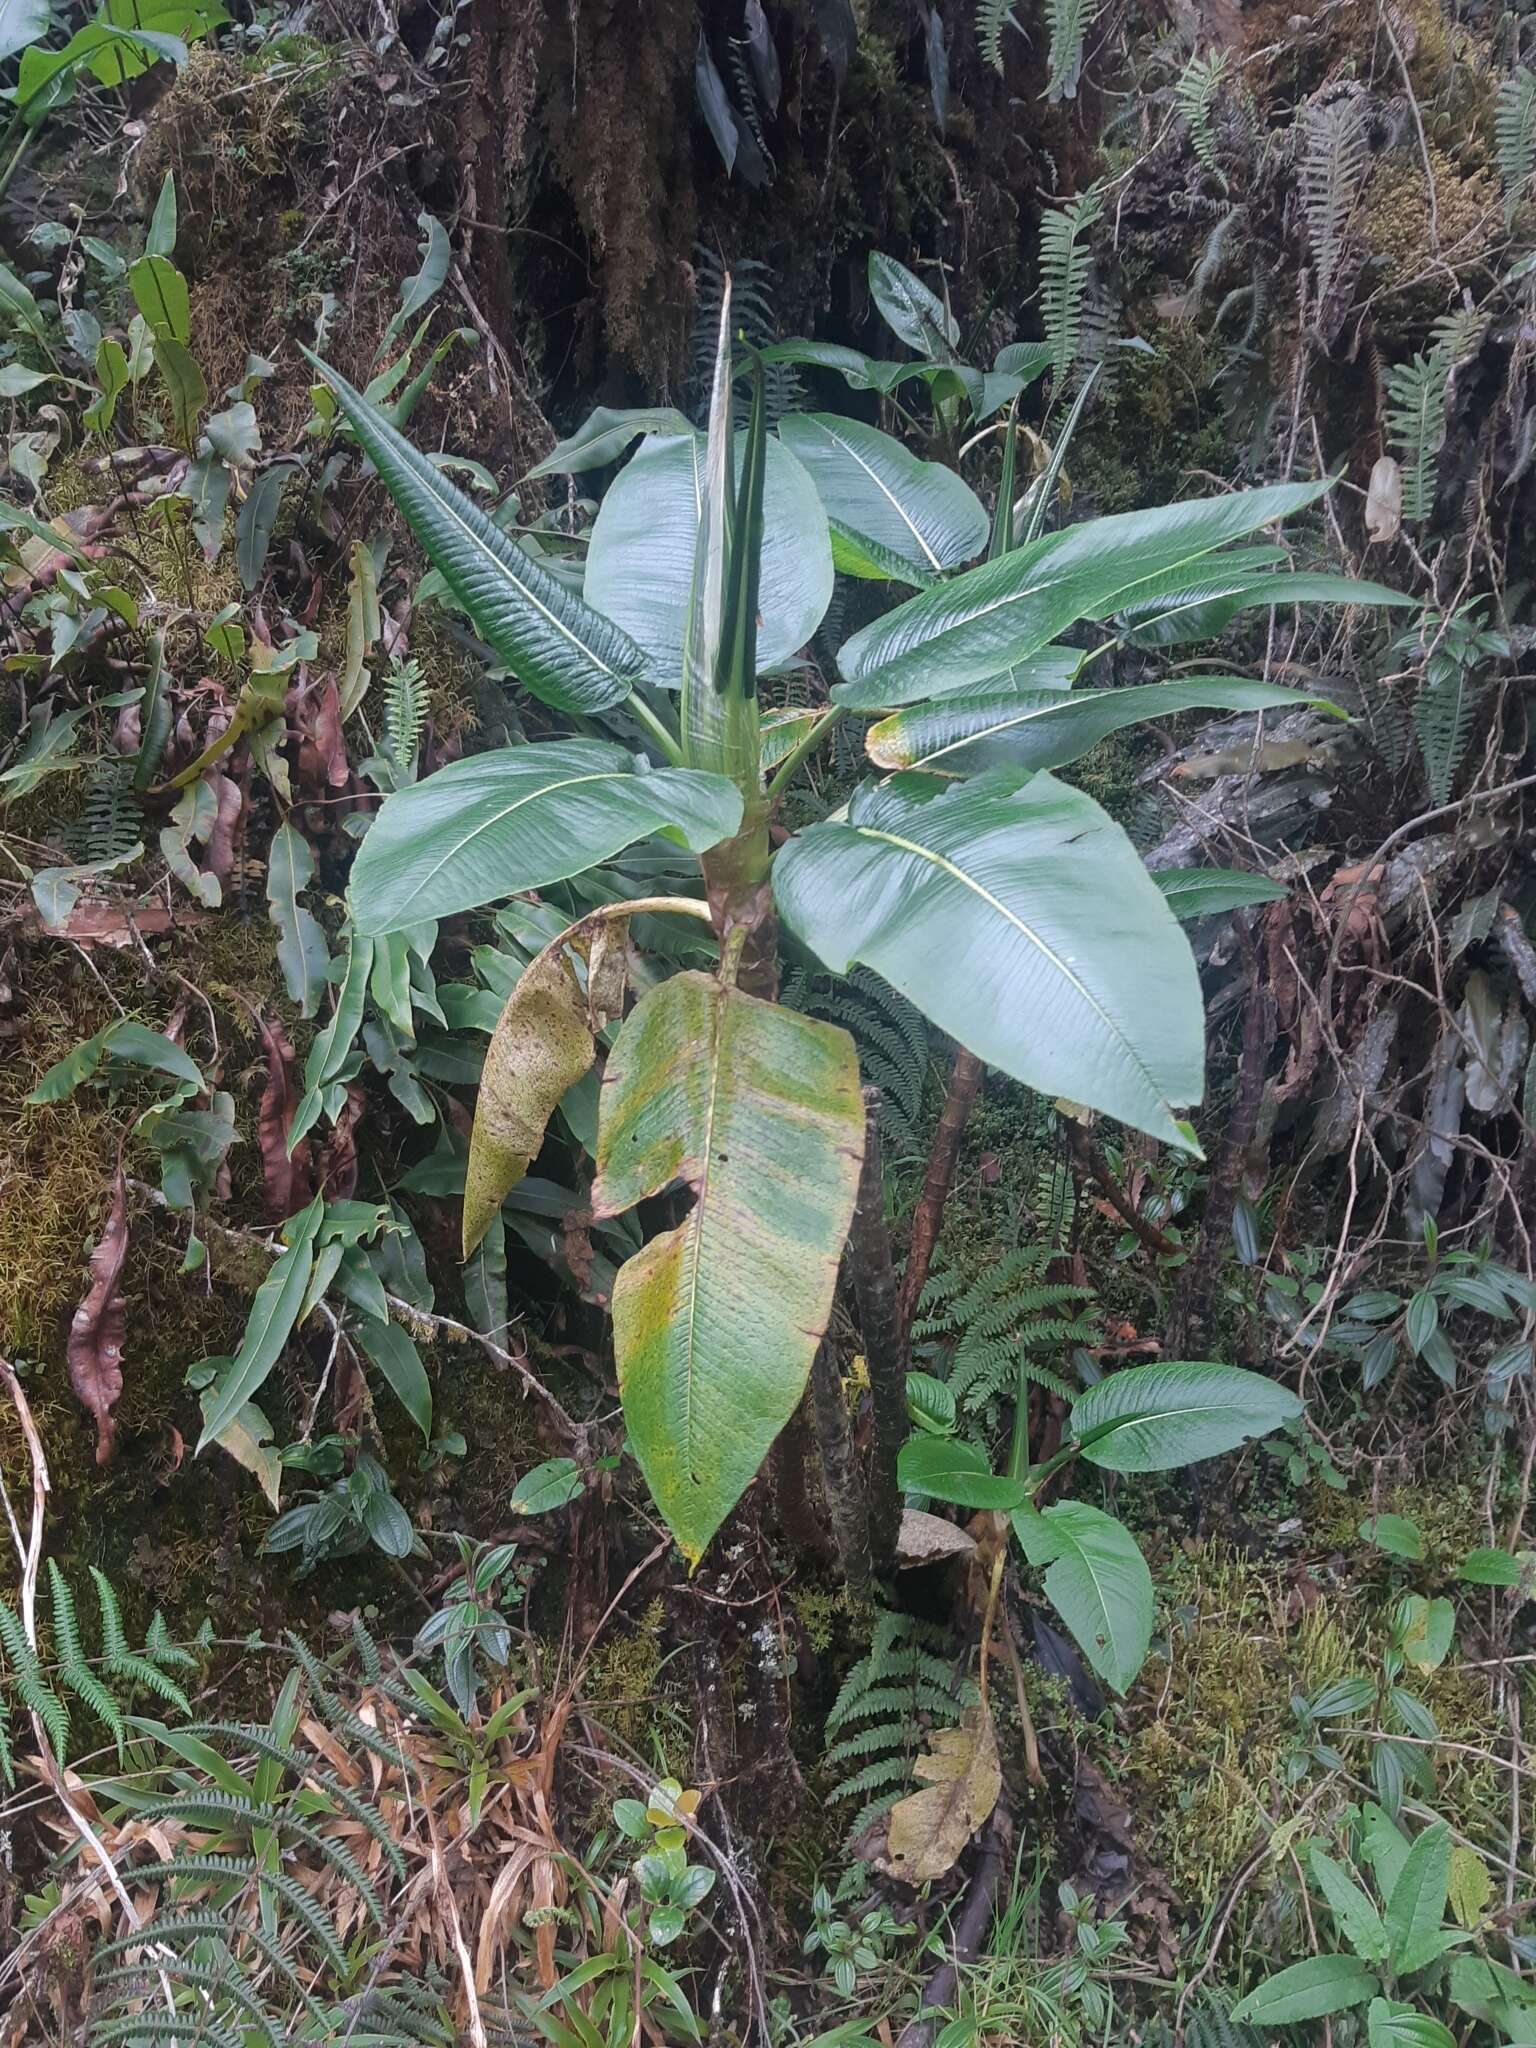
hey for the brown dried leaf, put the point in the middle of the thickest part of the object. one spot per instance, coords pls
(607, 971)
(285, 1182)
(541, 1046)
(220, 856)
(95, 1349)
(962, 1779)
(1384, 500)
(926, 1539)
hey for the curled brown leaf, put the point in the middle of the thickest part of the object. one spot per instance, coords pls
(95, 1348)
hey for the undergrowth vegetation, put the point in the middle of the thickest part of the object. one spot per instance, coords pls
(766, 1072)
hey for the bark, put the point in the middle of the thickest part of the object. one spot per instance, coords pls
(1190, 1311)
(846, 1504)
(964, 1080)
(884, 1332)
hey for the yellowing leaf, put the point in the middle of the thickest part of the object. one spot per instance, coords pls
(1471, 1886)
(541, 1046)
(757, 1109)
(962, 1779)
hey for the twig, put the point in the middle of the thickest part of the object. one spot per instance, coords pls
(964, 1080)
(884, 1330)
(1093, 1163)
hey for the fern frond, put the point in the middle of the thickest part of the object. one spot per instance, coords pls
(1069, 22)
(335, 1712)
(1514, 131)
(902, 1687)
(167, 1929)
(223, 1870)
(110, 823)
(226, 1814)
(246, 1736)
(1196, 93)
(406, 698)
(114, 1638)
(1065, 263)
(159, 1648)
(223, 1984)
(37, 1694)
(890, 1033)
(992, 17)
(1416, 427)
(1335, 160)
(180, 2030)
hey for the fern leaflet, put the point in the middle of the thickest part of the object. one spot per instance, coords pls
(1196, 92)
(1069, 22)
(1334, 161)
(900, 1690)
(1514, 129)
(1065, 262)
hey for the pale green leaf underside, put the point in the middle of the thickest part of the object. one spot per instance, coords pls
(640, 563)
(1020, 920)
(757, 1109)
(877, 488)
(1098, 1582)
(520, 818)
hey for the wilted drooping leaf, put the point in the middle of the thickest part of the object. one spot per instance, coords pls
(95, 1348)
(541, 1046)
(961, 1780)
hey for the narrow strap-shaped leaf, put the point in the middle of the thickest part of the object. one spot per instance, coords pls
(558, 648)
(273, 1312)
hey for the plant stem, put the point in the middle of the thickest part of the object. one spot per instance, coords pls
(784, 772)
(846, 1503)
(644, 716)
(884, 1334)
(964, 1080)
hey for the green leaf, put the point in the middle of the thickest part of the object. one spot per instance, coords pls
(1359, 1921)
(641, 558)
(418, 292)
(1425, 1629)
(161, 239)
(1399, 2026)
(1416, 1904)
(23, 22)
(1491, 1568)
(977, 624)
(949, 1468)
(910, 310)
(160, 293)
(184, 386)
(1208, 892)
(963, 735)
(274, 1310)
(387, 1524)
(757, 1109)
(18, 308)
(1312, 1990)
(604, 435)
(124, 1041)
(302, 952)
(1394, 1534)
(519, 818)
(558, 648)
(258, 516)
(1153, 1418)
(1051, 668)
(1016, 915)
(145, 31)
(553, 1484)
(396, 1356)
(1098, 1582)
(1422, 1320)
(876, 489)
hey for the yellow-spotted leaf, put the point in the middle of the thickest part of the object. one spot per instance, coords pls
(756, 1109)
(541, 1046)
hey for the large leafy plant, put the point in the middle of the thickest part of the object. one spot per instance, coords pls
(1004, 904)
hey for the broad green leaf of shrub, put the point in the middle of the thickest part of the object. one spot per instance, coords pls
(757, 1110)
(1152, 1418)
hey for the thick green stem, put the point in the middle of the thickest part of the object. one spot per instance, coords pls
(736, 876)
(885, 1344)
(802, 747)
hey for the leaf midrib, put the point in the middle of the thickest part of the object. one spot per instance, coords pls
(1028, 932)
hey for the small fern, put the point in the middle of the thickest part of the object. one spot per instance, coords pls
(1069, 22)
(406, 699)
(1335, 159)
(891, 1036)
(755, 319)
(992, 17)
(1416, 406)
(996, 1320)
(1514, 128)
(903, 1688)
(1196, 93)
(1065, 264)
(1456, 651)
(110, 824)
